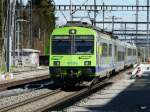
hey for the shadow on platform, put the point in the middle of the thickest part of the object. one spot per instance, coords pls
(135, 98)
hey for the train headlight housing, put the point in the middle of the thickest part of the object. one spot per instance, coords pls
(72, 31)
(87, 63)
(56, 63)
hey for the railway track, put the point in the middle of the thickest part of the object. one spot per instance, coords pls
(27, 101)
(72, 98)
(65, 102)
(55, 100)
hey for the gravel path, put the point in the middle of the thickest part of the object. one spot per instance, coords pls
(13, 92)
(41, 103)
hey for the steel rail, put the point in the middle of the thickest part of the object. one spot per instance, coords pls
(62, 103)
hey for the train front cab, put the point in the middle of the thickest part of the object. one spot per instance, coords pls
(72, 56)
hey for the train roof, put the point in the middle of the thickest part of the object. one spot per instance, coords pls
(87, 25)
(130, 45)
(82, 24)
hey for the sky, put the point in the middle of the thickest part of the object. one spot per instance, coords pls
(124, 16)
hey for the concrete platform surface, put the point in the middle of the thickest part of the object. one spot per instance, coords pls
(124, 95)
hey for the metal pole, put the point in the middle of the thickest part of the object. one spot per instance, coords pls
(21, 30)
(39, 33)
(71, 11)
(14, 39)
(18, 40)
(94, 13)
(144, 55)
(11, 33)
(18, 36)
(147, 28)
(136, 18)
(12, 42)
(103, 15)
(31, 36)
(8, 37)
(113, 18)
(125, 27)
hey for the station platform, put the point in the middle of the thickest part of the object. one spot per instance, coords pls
(124, 95)
(22, 77)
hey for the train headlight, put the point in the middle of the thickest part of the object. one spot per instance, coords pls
(72, 31)
(87, 63)
(56, 63)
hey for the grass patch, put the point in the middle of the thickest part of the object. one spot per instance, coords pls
(2, 68)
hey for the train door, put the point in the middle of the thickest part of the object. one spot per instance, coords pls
(116, 60)
(98, 53)
(113, 54)
(110, 55)
(104, 59)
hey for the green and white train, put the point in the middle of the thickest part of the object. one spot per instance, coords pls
(80, 52)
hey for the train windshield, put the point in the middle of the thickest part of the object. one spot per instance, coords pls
(61, 45)
(84, 44)
(72, 45)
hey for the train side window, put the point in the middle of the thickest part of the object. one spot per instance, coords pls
(123, 55)
(129, 52)
(125, 51)
(119, 55)
(134, 52)
(115, 50)
(104, 51)
(110, 49)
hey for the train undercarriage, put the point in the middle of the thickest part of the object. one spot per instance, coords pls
(73, 76)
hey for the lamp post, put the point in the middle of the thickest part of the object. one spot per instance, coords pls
(10, 23)
(8, 37)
